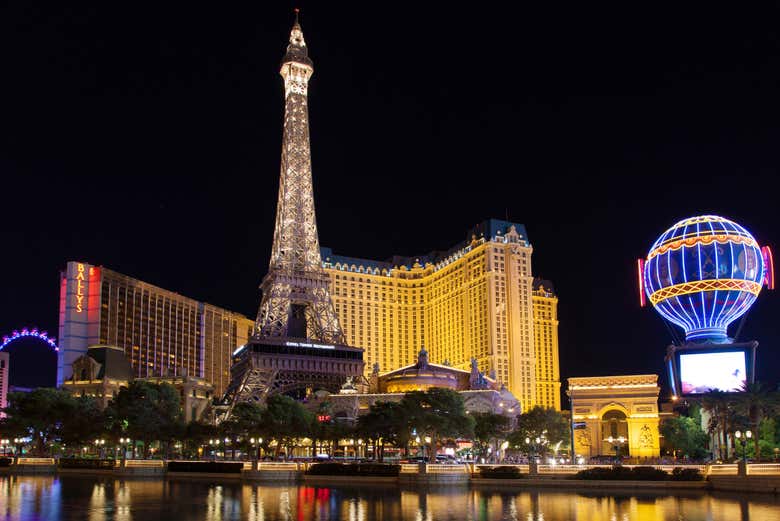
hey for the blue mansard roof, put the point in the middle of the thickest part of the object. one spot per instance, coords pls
(488, 229)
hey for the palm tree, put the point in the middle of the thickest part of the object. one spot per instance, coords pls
(719, 406)
(757, 402)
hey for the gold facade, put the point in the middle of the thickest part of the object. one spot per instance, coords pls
(476, 302)
(548, 375)
(618, 407)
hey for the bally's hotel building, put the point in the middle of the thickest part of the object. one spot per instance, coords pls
(479, 299)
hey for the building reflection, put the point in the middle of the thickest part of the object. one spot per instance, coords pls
(69, 498)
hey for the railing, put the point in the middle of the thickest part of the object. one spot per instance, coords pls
(289, 466)
(145, 463)
(35, 461)
(729, 469)
(436, 468)
(763, 469)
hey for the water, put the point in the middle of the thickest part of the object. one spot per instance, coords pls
(97, 499)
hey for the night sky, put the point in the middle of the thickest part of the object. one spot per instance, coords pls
(146, 138)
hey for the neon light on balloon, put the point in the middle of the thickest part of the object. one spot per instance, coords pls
(703, 273)
(29, 333)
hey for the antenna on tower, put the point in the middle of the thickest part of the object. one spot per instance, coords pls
(296, 11)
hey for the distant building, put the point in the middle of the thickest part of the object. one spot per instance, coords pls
(615, 415)
(4, 367)
(161, 332)
(105, 369)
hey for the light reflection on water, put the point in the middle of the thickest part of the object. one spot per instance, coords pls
(24, 498)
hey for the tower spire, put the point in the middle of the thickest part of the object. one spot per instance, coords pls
(296, 299)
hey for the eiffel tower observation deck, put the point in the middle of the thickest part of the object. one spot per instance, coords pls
(298, 345)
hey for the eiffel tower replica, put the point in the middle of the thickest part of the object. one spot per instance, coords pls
(298, 345)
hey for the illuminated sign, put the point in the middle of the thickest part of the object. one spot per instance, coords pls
(323, 418)
(80, 287)
(308, 344)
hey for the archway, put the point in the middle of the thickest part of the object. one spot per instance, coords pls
(614, 433)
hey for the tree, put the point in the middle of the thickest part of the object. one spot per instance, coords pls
(385, 422)
(146, 411)
(489, 430)
(540, 422)
(721, 409)
(84, 422)
(245, 421)
(757, 402)
(438, 413)
(38, 414)
(284, 419)
(684, 435)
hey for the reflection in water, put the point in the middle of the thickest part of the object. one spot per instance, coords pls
(24, 498)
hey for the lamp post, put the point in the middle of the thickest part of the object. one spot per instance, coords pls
(18, 442)
(617, 443)
(776, 450)
(123, 443)
(742, 439)
(99, 443)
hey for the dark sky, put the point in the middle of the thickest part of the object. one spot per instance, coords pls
(146, 138)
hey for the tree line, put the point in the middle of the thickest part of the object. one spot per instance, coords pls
(147, 417)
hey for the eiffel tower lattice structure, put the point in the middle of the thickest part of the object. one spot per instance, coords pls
(298, 344)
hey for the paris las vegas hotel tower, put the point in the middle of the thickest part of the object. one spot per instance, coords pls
(477, 300)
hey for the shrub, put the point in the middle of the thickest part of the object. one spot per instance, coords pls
(623, 473)
(683, 474)
(218, 467)
(86, 463)
(354, 469)
(6, 462)
(505, 472)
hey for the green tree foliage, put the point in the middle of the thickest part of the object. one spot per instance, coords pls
(684, 436)
(438, 413)
(245, 423)
(83, 422)
(284, 419)
(541, 422)
(38, 414)
(147, 412)
(385, 422)
(756, 401)
(489, 431)
(722, 409)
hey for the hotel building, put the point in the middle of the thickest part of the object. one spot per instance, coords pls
(476, 300)
(162, 333)
(548, 375)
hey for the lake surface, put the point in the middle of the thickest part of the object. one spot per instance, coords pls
(30, 498)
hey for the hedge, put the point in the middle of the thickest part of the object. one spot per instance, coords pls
(353, 469)
(219, 467)
(505, 472)
(683, 474)
(86, 463)
(6, 462)
(639, 474)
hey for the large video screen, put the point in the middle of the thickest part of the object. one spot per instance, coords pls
(702, 372)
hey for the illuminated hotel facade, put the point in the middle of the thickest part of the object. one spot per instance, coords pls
(161, 332)
(476, 300)
(548, 374)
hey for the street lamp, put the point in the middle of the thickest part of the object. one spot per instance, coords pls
(18, 442)
(617, 443)
(742, 439)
